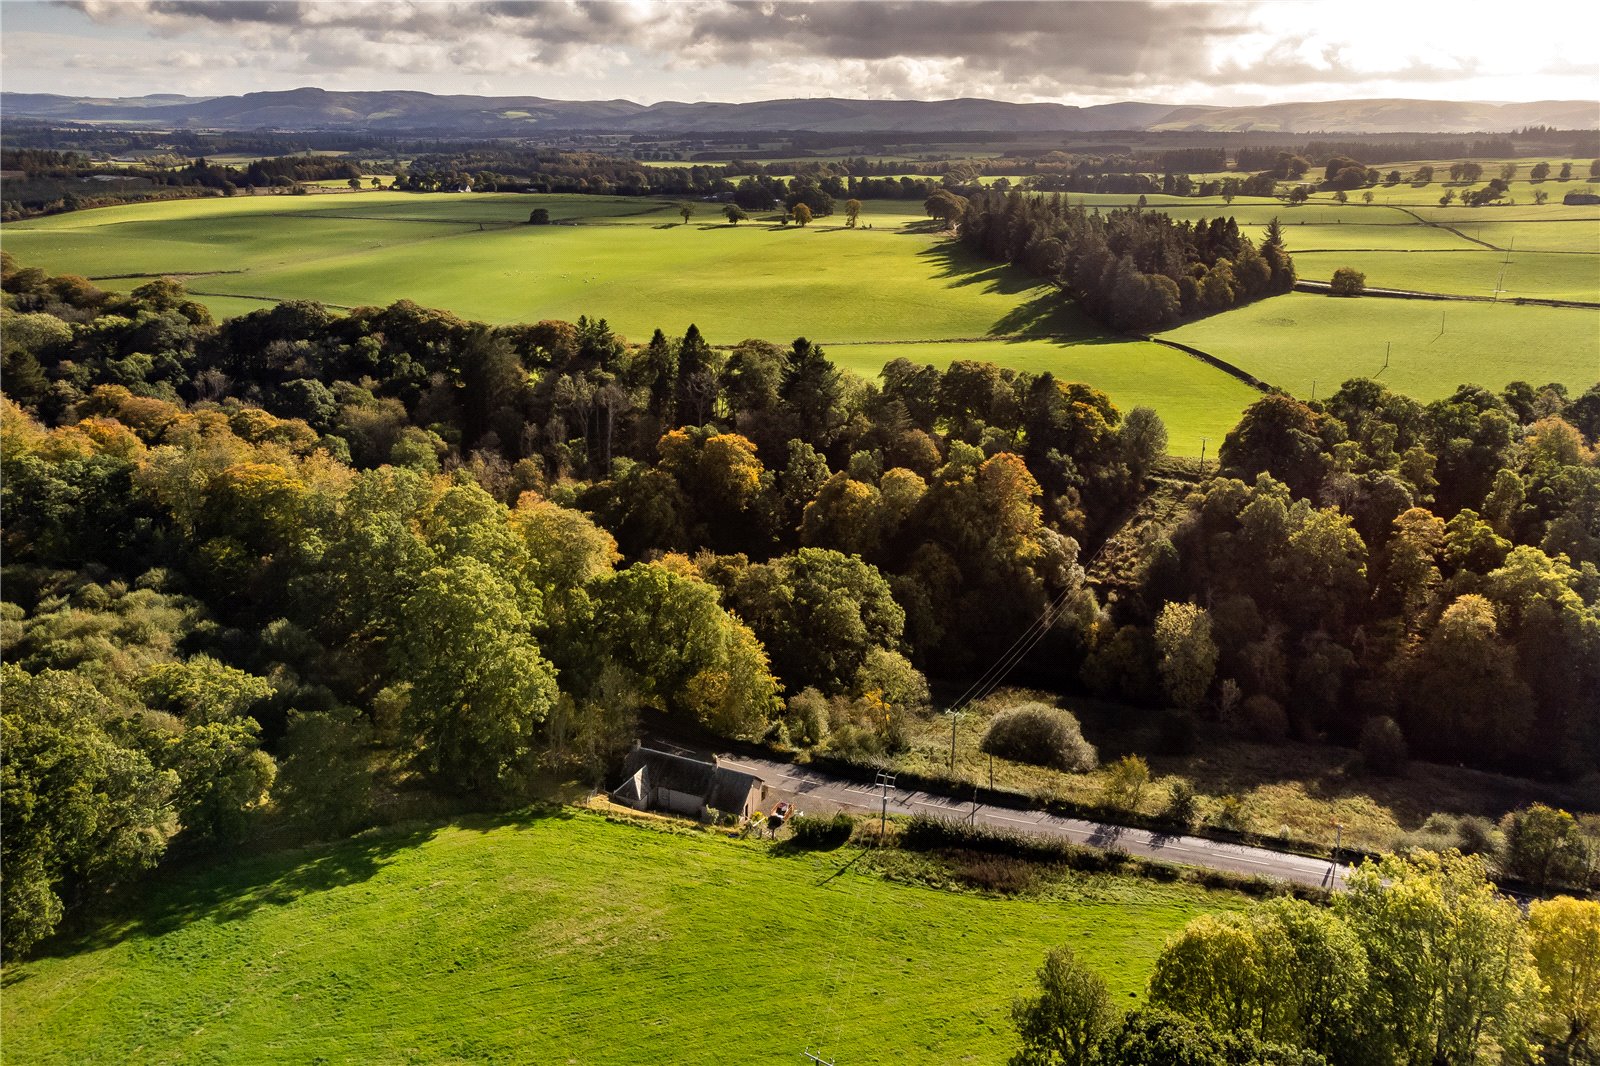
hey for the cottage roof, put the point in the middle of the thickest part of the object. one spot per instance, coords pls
(720, 787)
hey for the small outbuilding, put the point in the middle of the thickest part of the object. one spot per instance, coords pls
(661, 781)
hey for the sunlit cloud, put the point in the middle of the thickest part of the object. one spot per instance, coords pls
(647, 50)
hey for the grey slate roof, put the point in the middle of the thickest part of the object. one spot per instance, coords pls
(720, 787)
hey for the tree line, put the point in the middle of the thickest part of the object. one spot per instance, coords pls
(242, 557)
(1420, 963)
(1131, 268)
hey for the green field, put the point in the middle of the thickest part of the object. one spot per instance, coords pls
(1296, 340)
(568, 938)
(875, 294)
(1194, 400)
(630, 261)
(1542, 275)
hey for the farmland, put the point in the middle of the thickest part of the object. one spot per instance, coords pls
(888, 291)
(1304, 342)
(531, 938)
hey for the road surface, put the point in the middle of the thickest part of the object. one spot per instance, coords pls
(803, 784)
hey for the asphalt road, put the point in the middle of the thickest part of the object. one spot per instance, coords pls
(802, 784)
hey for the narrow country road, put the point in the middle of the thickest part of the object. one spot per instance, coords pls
(802, 784)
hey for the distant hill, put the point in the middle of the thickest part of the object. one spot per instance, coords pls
(395, 111)
(1385, 116)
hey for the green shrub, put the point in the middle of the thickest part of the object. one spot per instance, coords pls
(1545, 846)
(1181, 805)
(1348, 281)
(1232, 814)
(1383, 747)
(807, 717)
(1041, 735)
(1126, 783)
(1475, 835)
(812, 832)
(1264, 719)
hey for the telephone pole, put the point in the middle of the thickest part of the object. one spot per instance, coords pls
(885, 783)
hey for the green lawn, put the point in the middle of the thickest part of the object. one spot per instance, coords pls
(1292, 341)
(1194, 400)
(566, 938)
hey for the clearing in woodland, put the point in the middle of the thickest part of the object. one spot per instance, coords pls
(562, 936)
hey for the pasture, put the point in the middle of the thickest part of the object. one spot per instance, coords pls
(560, 936)
(898, 288)
(1196, 401)
(1305, 341)
(631, 261)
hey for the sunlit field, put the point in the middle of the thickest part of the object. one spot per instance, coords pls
(1305, 342)
(562, 937)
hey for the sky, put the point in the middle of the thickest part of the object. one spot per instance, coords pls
(650, 50)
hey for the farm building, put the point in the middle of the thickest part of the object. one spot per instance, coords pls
(660, 781)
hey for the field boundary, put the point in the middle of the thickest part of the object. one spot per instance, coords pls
(1213, 362)
(1306, 285)
(165, 274)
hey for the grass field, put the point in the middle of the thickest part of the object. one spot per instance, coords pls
(631, 261)
(1194, 400)
(875, 294)
(563, 937)
(1304, 340)
(1542, 275)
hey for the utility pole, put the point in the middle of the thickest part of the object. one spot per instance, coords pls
(1338, 836)
(953, 740)
(1313, 390)
(1202, 457)
(885, 783)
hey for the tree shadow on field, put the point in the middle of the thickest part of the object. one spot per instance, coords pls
(1040, 308)
(221, 890)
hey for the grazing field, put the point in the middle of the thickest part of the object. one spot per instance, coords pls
(891, 290)
(631, 261)
(1539, 275)
(1195, 401)
(563, 937)
(1303, 341)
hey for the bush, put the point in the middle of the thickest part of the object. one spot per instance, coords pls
(1545, 846)
(1348, 281)
(807, 717)
(1468, 834)
(1383, 746)
(1182, 805)
(1041, 735)
(1232, 814)
(1126, 783)
(1475, 835)
(1263, 719)
(811, 832)
(1001, 874)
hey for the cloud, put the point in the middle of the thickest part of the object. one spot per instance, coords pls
(739, 49)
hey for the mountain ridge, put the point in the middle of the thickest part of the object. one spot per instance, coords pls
(311, 109)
